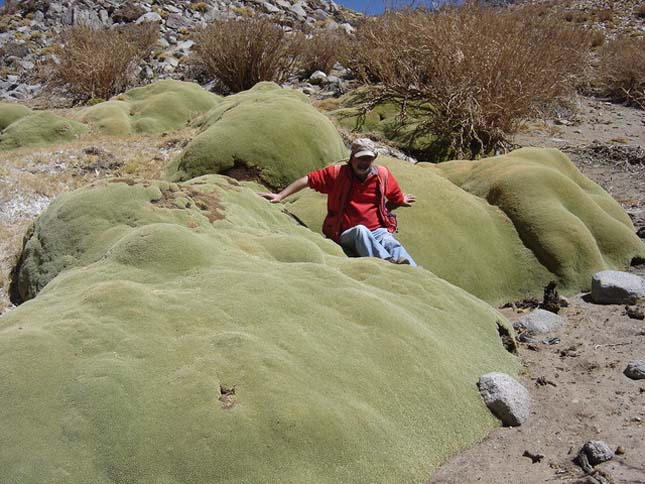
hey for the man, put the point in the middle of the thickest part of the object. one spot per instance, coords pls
(359, 195)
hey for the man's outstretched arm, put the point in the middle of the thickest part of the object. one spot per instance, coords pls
(295, 187)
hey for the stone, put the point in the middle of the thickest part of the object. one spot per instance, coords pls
(270, 8)
(635, 370)
(505, 397)
(597, 452)
(150, 17)
(176, 21)
(298, 10)
(318, 77)
(38, 16)
(540, 321)
(615, 287)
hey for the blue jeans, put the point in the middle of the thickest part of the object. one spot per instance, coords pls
(363, 242)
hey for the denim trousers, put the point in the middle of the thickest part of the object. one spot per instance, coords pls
(361, 241)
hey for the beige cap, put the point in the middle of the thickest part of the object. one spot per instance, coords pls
(363, 147)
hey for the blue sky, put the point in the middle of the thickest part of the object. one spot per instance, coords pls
(372, 7)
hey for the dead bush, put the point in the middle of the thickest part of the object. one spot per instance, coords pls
(622, 70)
(100, 63)
(480, 72)
(127, 12)
(640, 11)
(321, 51)
(241, 53)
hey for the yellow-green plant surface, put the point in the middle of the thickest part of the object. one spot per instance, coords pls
(162, 106)
(274, 132)
(40, 129)
(502, 227)
(385, 121)
(194, 333)
(11, 112)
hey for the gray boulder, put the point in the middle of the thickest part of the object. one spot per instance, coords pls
(635, 370)
(150, 17)
(615, 287)
(539, 321)
(597, 452)
(506, 398)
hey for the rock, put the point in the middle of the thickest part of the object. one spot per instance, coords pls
(150, 17)
(597, 452)
(540, 321)
(270, 8)
(615, 287)
(318, 77)
(635, 370)
(176, 21)
(635, 312)
(507, 399)
(298, 10)
(641, 232)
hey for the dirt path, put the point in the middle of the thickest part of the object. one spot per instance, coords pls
(582, 393)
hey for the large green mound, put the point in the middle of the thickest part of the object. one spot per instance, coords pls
(11, 112)
(266, 132)
(163, 106)
(39, 129)
(502, 227)
(194, 333)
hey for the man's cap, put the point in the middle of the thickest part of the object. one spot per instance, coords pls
(363, 147)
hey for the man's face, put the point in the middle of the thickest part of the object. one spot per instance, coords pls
(361, 166)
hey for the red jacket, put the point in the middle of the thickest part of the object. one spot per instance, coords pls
(336, 182)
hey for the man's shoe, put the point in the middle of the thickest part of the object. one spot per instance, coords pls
(402, 260)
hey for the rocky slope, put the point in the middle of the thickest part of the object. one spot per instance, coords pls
(29, 28)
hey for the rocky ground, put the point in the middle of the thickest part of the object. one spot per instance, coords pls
(578, 389)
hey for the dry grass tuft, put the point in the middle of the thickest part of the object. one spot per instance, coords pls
(241, 53)
(480, 72)
(322, 51)
(622, 70)
(100, 63)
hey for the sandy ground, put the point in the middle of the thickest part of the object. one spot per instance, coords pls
(581, 393)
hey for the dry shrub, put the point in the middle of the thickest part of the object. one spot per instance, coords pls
(100, 63)
(596, 37)
(640, 11)
(622, 70)
(321, 51)
(604, 14)
(241, 53)
(480, 71)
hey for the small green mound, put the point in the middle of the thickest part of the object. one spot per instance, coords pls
(163, 106)
(267, 133)
(384, 121)
(503, 227)
(11, 112)
(195, 334)
(39, 129)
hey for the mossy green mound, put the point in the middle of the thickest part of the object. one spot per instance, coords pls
(503, 227)
(11, 112)
(163, 106)
(271, 133)
(40, 129)
(384, 121)
(223, 343)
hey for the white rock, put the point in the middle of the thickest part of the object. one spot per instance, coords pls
(540, 321)
(506, 398)
(615, 287)
(270, 8)
(597, 452)
(149, 17)
(318, 77)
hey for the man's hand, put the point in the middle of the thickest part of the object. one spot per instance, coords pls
(272, 197)
(408, 200)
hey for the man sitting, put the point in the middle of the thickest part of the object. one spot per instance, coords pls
(359, 196)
